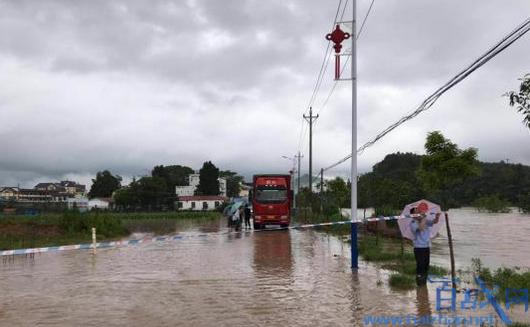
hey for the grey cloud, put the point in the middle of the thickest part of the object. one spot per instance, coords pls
(126, 85)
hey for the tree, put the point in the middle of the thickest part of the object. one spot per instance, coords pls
(145, 191)
(125, 196)
(522, 99)
(303, 198)
(208, 179)
(174, 175)
(153, 190)
(338, 190)
(445, 166)
(233, 181)
(104, 185)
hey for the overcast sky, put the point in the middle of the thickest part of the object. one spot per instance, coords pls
(126, 85)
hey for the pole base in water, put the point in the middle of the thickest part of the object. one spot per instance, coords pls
(354, 247)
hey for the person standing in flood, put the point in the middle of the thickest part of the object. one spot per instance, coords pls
(236, 219)
(421, 227)
(247, 216)
(228, 215)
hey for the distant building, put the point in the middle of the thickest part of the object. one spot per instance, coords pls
(47, 187)
(244, 189)
(69, 187)
(193, 183)
(44, 192)
(201, 202)
(32, 195)
(81, 204)
(100, 203)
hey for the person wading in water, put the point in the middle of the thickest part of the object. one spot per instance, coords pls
(421, 227)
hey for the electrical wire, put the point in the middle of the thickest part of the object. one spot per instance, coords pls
(347, 59)
(323, 66)
(365, 18)
(343, 67)
(500, 46)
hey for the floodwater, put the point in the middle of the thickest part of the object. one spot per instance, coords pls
(280, 278)
(498, 239)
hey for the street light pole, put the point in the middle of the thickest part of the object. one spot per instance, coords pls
(354, 249)
(298, 157)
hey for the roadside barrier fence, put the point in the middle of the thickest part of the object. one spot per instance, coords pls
(177, 237)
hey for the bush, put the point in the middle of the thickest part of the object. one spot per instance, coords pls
(491, 203)
(330, 208)
(505, 278)
(524, 202)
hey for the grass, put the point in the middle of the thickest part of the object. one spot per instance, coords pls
(520, 324)
(19, 231)
(54, 217)
(505, 278)
(402, 281)
(166, 215)
(57, 229)
(385, 251)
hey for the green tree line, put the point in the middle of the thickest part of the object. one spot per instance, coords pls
(159, 188)
(446, 174)
(394, 181)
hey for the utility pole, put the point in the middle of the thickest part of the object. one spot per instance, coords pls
(310, 119)
(353, 228)
(298, 157)
(293, 159)
(337, 36)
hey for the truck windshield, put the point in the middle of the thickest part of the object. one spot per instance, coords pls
(271, 196)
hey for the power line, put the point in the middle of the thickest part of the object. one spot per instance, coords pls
(345, 64)
(347, 59)
(325, 60)
(429, 102)
(321, 73)
(365, 18)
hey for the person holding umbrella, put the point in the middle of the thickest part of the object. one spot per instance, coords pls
(421, 228)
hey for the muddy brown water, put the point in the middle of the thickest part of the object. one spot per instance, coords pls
(282, 278)
(498, 239)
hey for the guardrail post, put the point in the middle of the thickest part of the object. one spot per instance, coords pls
(451, 252)
(94, 249)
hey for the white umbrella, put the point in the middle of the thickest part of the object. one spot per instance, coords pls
(424, 206)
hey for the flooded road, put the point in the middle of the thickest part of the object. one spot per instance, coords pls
(281, 278)
(271, 278)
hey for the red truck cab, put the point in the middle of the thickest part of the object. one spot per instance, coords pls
(272, 200)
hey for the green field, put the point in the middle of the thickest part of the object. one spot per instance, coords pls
(19, 231)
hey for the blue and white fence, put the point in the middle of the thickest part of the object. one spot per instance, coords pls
(177, 237)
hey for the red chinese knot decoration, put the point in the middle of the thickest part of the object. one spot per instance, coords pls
(337, 36)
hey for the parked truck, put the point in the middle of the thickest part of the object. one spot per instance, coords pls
(272, 200)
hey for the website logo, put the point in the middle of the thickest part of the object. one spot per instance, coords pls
(448, 298)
